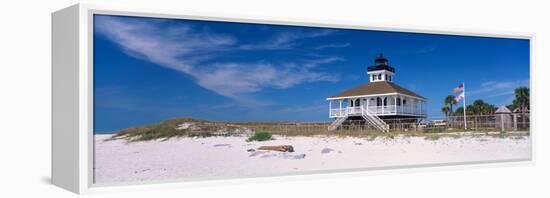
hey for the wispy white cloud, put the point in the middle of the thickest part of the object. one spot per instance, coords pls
(305, 109)
(490, 89)
(173, 47)
(316, 62)
(235, 79)
(340, 45)
(498, 94)
(285, 40)
(185, 49)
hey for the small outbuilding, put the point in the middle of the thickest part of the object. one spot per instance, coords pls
(503, 118)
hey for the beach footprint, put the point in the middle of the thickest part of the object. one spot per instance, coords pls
(222, 145)
(269, 155)
(290, 156)
(256, 153)
(326, 150)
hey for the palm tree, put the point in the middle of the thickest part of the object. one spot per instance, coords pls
(450, 100)
(490, 109)
(521, 100)
(470, 110)
(459, 111)
(446, 110)
(478, 107)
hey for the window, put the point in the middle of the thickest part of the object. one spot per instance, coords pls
(386, 77)
(389, 78)
(385, 101)
(373, 77)
(404, 102)
(379, 76)
(398, 101)
(378, 102)
(357, 102)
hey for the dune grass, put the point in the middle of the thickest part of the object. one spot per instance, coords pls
(260, 136)
(264, 131)
(172, 128)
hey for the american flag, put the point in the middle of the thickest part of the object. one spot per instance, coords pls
(462, 96)
(459, 97)
(459, 89)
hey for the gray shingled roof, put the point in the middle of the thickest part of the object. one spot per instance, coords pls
(371, 88)
(503, 109)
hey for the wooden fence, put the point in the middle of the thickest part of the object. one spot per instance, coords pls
(497, 122)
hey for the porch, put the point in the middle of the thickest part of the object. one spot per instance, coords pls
(381, 105)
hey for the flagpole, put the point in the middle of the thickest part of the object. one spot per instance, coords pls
(464, 105)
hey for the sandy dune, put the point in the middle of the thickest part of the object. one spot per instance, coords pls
(117, 161)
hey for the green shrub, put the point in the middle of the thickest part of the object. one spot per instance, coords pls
(434, 130)
(260, 136)
(432, 137)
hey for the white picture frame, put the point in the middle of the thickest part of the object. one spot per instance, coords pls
(72, 99)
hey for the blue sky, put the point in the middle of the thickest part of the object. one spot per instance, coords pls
(147, 70)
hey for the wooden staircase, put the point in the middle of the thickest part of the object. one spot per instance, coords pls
(337, 123)
(374, 120)
(370, 117)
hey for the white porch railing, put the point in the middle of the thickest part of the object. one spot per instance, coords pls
(378, 110)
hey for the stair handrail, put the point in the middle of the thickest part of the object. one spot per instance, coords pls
(379, 123)
(337, 123)
(370, 114)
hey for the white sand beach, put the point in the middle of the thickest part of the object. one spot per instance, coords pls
(177, 158)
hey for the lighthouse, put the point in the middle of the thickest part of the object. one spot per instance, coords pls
(378, 100)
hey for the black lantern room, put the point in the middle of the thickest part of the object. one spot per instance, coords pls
(381, 63)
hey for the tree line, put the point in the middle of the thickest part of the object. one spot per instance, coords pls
(480, 107)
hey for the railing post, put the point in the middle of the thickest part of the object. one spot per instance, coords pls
(330, 108)
(515, 122)
(395, 103)
(383, 106)
(421, 106)
(340, 107)
(402, 106)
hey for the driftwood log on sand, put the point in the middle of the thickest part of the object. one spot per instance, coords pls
(281, 148)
